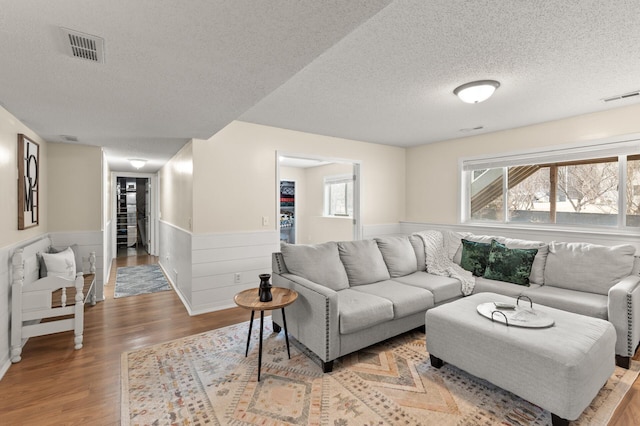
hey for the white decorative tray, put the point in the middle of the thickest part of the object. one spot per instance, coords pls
(520, 316)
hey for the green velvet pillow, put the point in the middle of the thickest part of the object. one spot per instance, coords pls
(475, 256)
(509, 265)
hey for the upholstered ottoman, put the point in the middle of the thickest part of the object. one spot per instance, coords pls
(560, 368)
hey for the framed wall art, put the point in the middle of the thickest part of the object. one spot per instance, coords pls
(28, 182)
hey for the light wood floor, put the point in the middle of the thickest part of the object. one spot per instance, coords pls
(56, 385)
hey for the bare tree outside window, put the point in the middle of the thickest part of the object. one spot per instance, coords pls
(590, 188)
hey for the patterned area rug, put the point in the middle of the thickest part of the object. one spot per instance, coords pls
(141, 279)
(206, 380)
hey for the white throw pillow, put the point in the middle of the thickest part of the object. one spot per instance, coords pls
(62, 264)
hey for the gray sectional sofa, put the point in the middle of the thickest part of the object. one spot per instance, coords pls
(353, 294)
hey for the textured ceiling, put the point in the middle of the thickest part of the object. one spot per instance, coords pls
(391, 80)
(174, 70)
(379, 70)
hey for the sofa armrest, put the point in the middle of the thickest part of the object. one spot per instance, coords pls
(624, 314)
(313, 318)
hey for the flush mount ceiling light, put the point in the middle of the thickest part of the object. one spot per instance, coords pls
(137, 163)
(476, 91)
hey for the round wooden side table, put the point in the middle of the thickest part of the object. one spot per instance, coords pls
(249, 299)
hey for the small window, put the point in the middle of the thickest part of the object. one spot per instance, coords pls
(338, 196)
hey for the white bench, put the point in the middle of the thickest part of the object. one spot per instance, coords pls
(46, 305)
(560, 368)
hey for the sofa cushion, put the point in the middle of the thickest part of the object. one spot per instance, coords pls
(363, 262)
(358, 310)
(406, 299)
(398, 255)
(418, 248)
(587, 267)
(636, 266)
(319, 263)
(443, 288)
(475, 256)
(537, 269)
(579, 302)
(484, 285)
(509, 265)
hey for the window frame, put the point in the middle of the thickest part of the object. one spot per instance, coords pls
(618, 147)
(328, 182)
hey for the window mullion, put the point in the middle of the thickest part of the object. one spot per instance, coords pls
(622, 191)
(505, 194)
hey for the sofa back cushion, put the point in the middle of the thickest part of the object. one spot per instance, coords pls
(398, 255)
(319, 263)
(636, 266)
(418, 249)
(587, 267)
(363, 262)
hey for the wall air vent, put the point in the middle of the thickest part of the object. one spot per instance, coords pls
(84, 46)
(625, 96)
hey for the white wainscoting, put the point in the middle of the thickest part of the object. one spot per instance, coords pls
(218, 257)
(107, 250)
(5, 310)
(175, 259)
(87, 242)
(539, 234)
(387, 229)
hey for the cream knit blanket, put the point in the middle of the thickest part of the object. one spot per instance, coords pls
(439, 252)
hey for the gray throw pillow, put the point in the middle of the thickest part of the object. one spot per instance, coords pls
(319, 263)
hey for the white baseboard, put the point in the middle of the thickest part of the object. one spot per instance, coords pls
(5, 368)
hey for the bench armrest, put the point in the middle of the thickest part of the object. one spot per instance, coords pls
(313, 318)
(624, 314)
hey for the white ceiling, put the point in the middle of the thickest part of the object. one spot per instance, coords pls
(379, 70)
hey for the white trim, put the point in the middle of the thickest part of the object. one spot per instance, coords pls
(609, 147)
(154, 210)
(175, 226)
(618, 147)
(357, 165)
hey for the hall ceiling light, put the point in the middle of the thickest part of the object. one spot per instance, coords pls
(137, 163)
(476, 91)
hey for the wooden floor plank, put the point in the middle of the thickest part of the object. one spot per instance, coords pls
(57, 385)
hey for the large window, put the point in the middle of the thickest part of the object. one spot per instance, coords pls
(552, 188)
(338, 196)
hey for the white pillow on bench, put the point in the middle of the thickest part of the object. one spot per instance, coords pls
(62, 264)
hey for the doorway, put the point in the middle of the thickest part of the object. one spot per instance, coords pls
(288, 211)
(324, 198)
(132, 216)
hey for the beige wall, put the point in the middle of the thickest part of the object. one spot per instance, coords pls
(319, 228)
(75, 181)
(235, 172)
(10, 126)
(176, 188)
(432, 170)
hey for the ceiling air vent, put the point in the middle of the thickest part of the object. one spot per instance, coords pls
(84, 46)
(625, 96)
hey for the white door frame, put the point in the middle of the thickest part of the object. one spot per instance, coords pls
(154, 208)
(357, 166)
